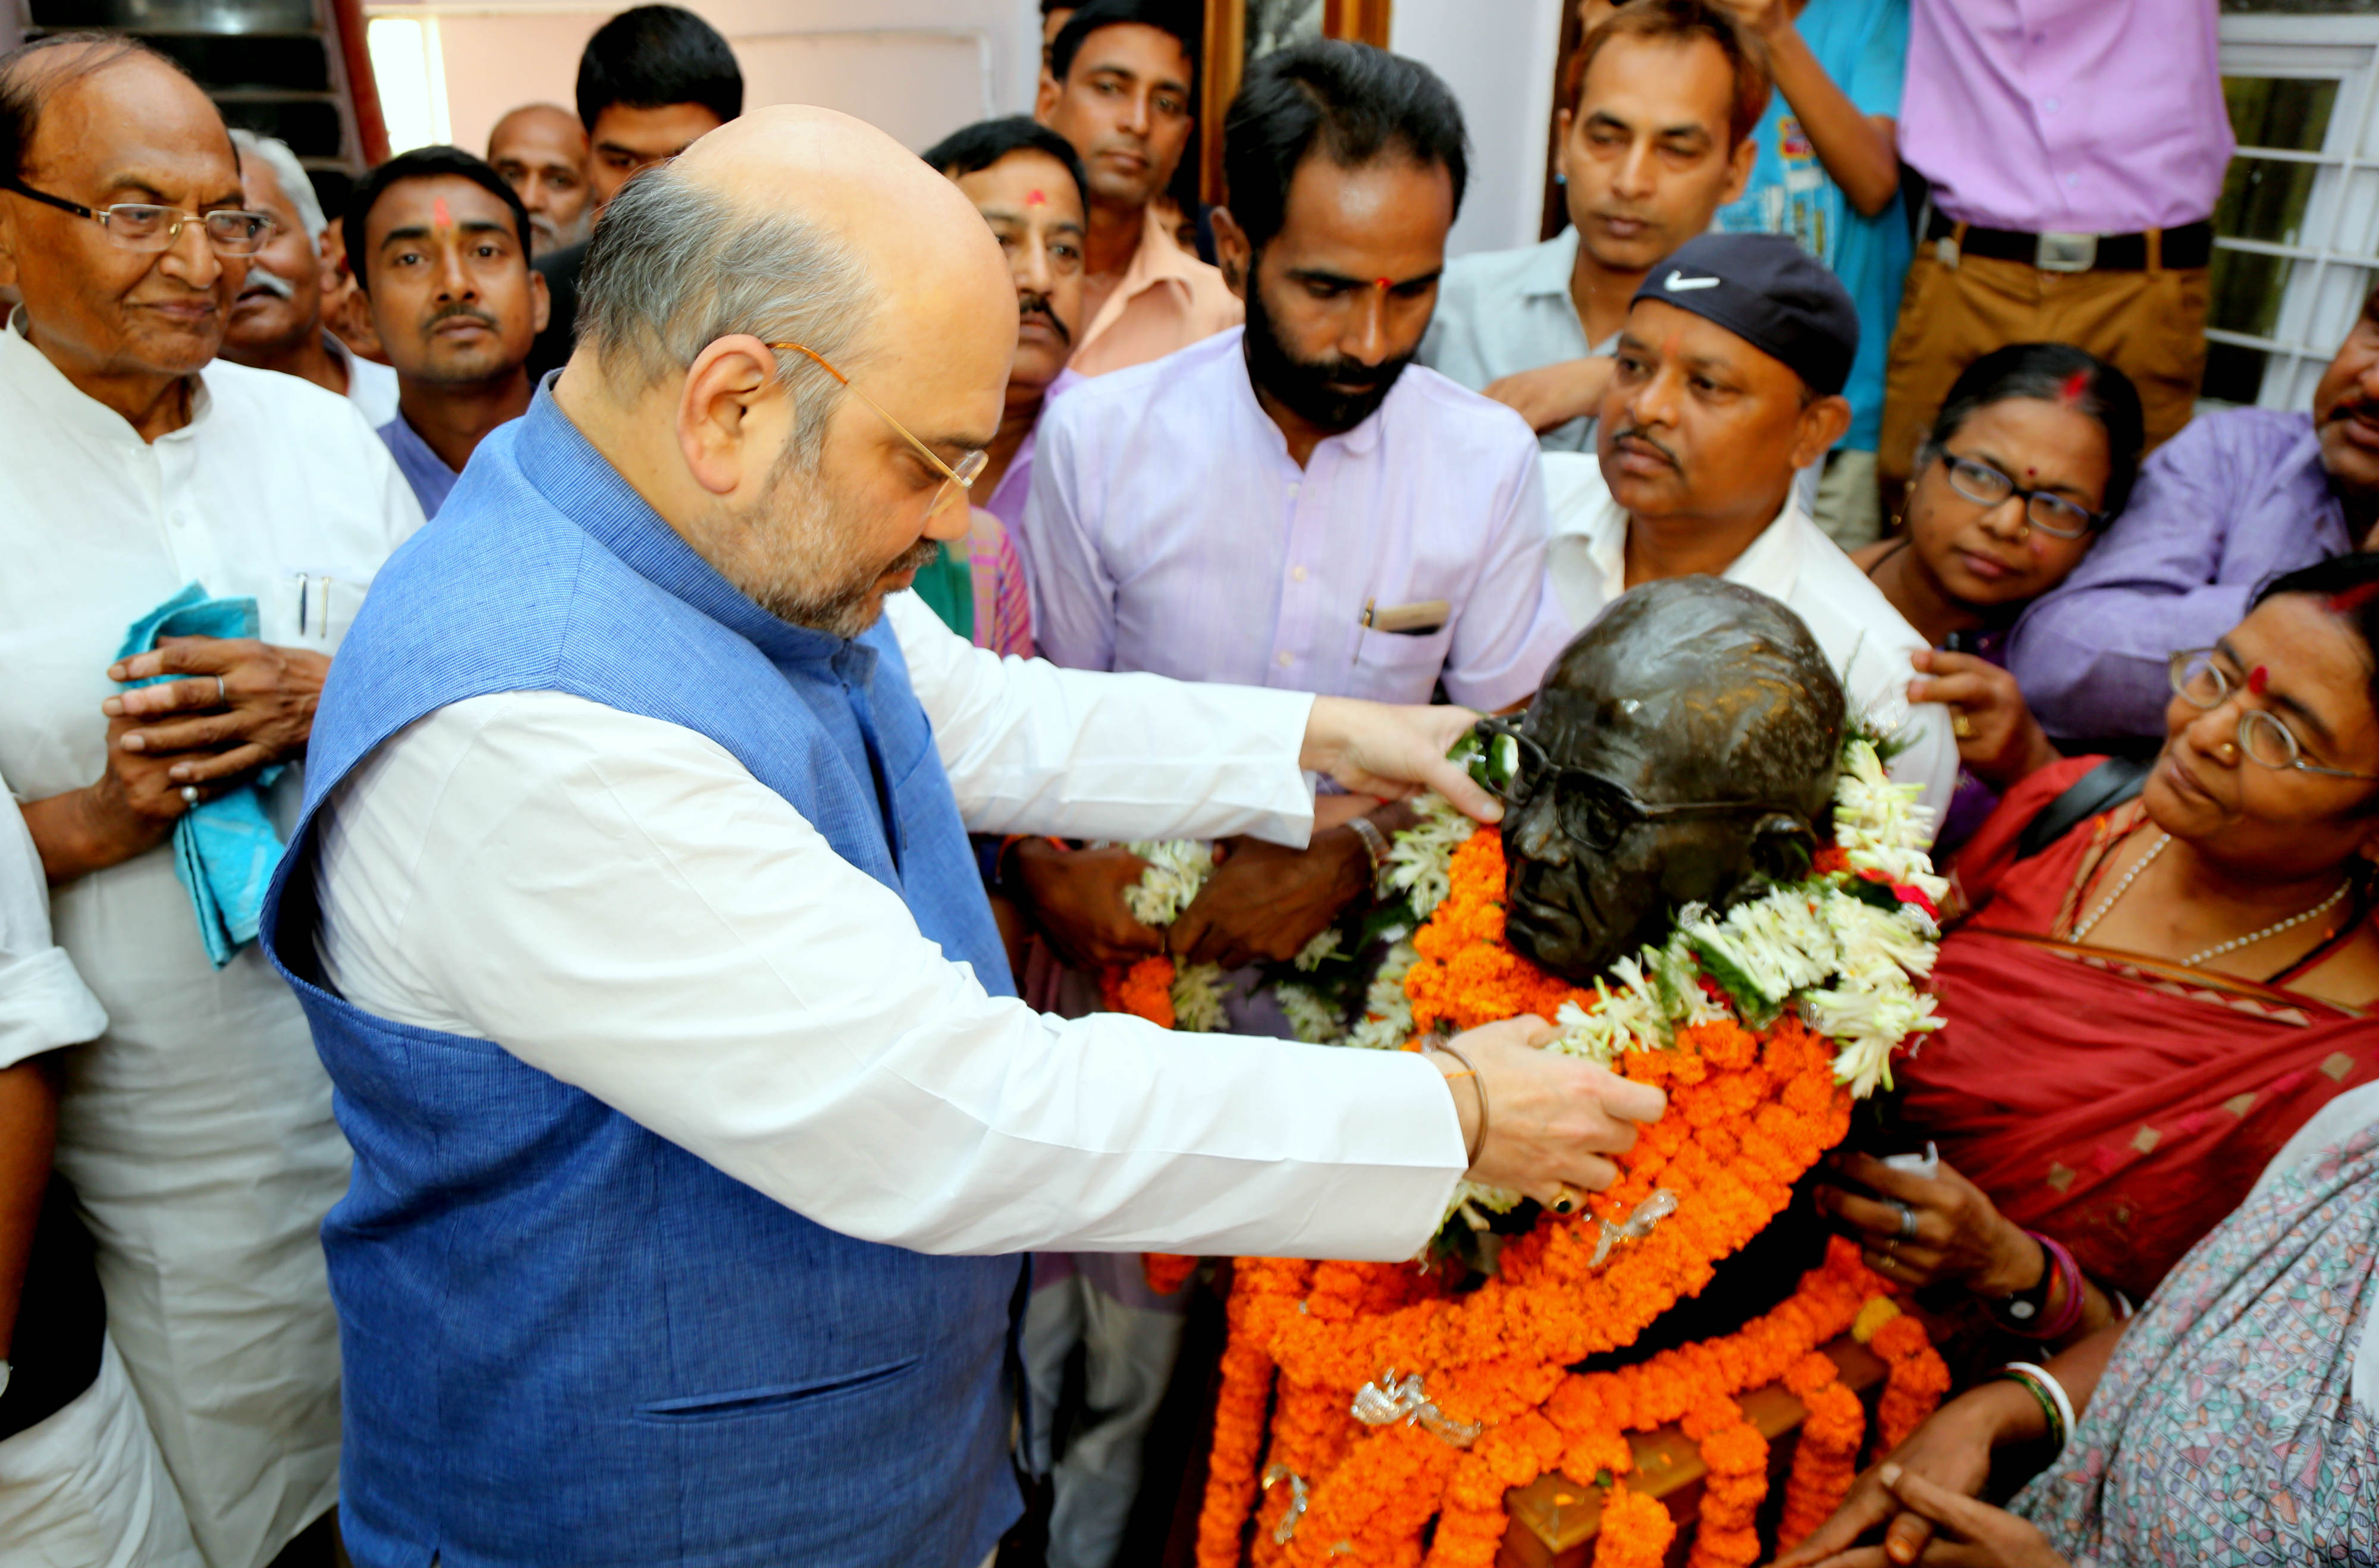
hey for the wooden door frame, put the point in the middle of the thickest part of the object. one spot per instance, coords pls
(1361, 22)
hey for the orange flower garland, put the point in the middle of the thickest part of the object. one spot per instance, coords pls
(1748, 1114)
(1636, 1531)
(1145, 990)
(1826, 1462)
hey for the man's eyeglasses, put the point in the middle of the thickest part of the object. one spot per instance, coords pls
(957, 480)
(141, 225)
(1591, 809)
(2052, 513)
(2199, 680)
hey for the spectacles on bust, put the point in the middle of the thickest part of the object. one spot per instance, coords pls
(141, 225)
(1591, 809)
(957, 478)
(2200, 680)
(2052, 513)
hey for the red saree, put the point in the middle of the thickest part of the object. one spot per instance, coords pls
(2120, 1104)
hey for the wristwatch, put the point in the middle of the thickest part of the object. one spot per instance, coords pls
(2024, 1308)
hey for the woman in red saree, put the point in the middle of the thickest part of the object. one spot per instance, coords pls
(2140, 1013)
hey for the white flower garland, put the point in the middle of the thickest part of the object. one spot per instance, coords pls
(1850, 967)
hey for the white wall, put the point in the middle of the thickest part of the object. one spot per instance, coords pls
(918, 69)
(1498, 57)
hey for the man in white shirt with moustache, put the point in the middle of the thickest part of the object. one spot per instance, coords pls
(1728, 383)
(276, 324)
(197, 1130)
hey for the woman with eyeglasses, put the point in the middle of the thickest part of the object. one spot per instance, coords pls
(2144, 1002)
(2032, 455)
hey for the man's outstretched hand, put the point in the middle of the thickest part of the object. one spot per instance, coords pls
(1551, 1120)
(1394, 752)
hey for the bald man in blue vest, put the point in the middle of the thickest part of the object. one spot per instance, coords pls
(696, 1124)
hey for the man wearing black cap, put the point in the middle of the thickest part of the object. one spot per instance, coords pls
(1729, 380)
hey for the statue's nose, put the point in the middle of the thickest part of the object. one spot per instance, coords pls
(1538, 837)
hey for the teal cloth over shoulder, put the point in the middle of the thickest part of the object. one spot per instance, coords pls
(225, 849)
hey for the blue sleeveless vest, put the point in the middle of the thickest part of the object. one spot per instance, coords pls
(568, 1341)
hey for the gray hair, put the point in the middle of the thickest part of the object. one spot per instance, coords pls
(674, 266)
(294, 185)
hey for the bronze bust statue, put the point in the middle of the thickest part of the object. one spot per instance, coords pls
(1682, 749)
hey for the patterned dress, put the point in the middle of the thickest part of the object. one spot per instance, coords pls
(2225, 1430)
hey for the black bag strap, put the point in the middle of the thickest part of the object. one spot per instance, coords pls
(2102, 788)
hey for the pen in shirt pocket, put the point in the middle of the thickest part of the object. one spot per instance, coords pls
(1420, 619)
(314, 605)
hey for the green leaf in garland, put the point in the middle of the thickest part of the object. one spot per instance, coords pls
(1758, 1011)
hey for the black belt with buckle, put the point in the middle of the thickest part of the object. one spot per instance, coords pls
(2191, 244)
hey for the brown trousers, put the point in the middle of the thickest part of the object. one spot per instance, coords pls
(2150, 325)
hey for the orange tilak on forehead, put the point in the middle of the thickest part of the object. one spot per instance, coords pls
(438, 215)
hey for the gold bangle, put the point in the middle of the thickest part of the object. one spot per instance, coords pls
(1478, 1087)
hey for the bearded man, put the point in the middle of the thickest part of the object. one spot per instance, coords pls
(1293, 504)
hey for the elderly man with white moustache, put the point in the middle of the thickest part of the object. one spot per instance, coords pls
(136, 475)
(276, 321)
(698, 1124)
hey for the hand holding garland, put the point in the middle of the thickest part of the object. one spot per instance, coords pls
(1951, 1455)
(1550, 1120)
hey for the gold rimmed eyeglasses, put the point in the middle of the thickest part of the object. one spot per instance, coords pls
(957, 478)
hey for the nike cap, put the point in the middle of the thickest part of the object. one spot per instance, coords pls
(1770, 293)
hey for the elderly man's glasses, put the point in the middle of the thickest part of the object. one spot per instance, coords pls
(2052, 513)
(957, 480)
(1591, 809)
(141, 225)
(2200, 679)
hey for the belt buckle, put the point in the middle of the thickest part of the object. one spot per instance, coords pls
(2065, 253)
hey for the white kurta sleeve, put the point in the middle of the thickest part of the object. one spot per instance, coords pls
(616, 902)
(1030, 748)
(43, 1003)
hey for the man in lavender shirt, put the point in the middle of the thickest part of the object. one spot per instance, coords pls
(1294, 503)
(1290, 504)
(2075, 150)
(2234, 500)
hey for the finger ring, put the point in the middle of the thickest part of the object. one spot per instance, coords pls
(1564, 1199)
(222, 695)
(1907, 1222)
(189, 794)
(1960, 725)
(1891, 1250)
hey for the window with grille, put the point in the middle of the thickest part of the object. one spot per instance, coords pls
(2296, 229)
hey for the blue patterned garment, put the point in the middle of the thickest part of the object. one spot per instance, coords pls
(2225, 1430)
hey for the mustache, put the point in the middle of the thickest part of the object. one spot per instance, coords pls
(1355, 373)
(1038, 304)
(2352, 408)
(263, 277)
(1635, 433)
(448, 312)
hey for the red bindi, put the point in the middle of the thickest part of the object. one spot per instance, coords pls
(1035, 199)
(2257, 678)
(1384, 285)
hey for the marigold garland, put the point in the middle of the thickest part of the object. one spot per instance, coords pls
(1824, 1462)
(1749, 1112)
(1636, 1533)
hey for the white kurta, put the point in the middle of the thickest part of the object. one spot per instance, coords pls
(1868, 643)
(616, 902)
(198, 1129)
